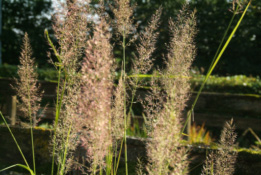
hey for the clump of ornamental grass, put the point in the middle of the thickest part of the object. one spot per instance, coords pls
(222, 161)
(70, 28)
(91, 119)
(91, 113)
(123, 23)
(27, 88)
(123, 17)
(165, 152)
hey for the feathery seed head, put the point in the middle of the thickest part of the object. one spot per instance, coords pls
(95, 102)
(26, 86)
(165, 152)
(223, 160)
(143, 62)
(118, 111)
(70, 27)
(123, 13)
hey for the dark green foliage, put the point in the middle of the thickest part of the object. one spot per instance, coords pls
(10, 71)
(20, 16)
(241, 57)
(213, 16)
(243, 54)
(239, 84)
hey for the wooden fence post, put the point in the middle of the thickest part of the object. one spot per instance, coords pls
(12, 110)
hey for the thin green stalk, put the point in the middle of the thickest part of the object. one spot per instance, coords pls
(118, 162)
(57, 98)
(62, 94)
(56, 117)
(59, 164)
(109, 156)
(59, 110)
(217, 59)
(223, 39)
(125, 110)
(94, 169)
(220, 54)
(51, 44)
(32, 137)
(115, 159)
(31, 123)
(100, 170)
(109, 160)
(10, 131)
(19, 165)
(66, 147)
(133, 95)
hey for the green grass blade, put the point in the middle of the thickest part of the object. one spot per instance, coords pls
(51, 44)
(109, 162)
(118, 162)
(10, 131)
(224, 36)
(31, 128)
(19, 165)
(56, 118)
(125, 107)
(66, 149)
(218, 58)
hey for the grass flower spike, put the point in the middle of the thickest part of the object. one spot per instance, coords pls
(95, 102)
(222, 161)
(165, 151)
(123, 12)
(70, 28)
(26, 87)
(143, 62)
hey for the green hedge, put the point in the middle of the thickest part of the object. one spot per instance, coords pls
(239, 84)
(10, 71)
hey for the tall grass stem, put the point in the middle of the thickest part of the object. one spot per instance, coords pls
(216, 61)
(125, 99)
(31, 124)
(10, 131)
(223, 39)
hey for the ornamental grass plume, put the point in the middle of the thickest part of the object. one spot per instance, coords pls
(123, 13)
(70, 28)
(71, 32)
(95, 104)
(27, 88)
(222, 161)
(143, 62)
(165, 152)
(67, 131)
(238, 5)
(117, 123)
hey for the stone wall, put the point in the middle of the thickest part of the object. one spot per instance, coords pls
(248, 163)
